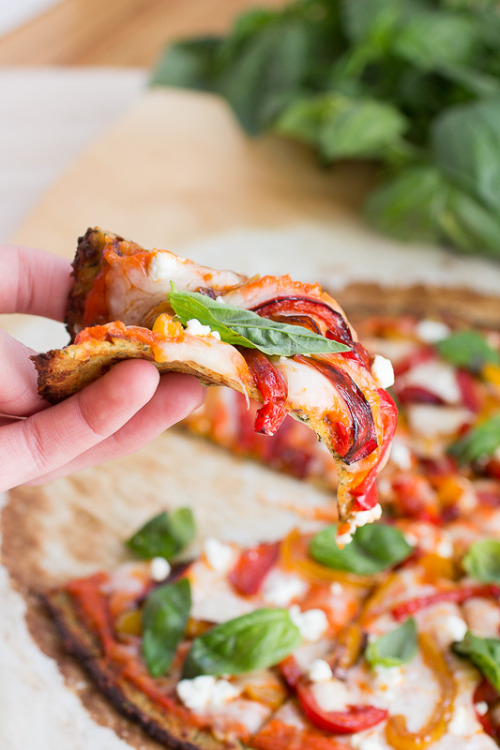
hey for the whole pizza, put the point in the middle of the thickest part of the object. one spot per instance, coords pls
(378, 629)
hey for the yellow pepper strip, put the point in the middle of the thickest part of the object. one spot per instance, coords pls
(347, 648)
(491, 373)
(377, 603)
(396, 731)
(435, 567)
(294, 556)
(129, 623)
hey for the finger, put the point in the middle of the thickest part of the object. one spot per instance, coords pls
(52, 438)
(33, 281)
(176, 397)
(18, 379)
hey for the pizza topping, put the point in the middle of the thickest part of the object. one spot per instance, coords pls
(319, 671)
(484, 653)
(165, 535)
(383, 371)
(457, 595)
(397, 733)
(353, 719)
(219, 556)
(431, 331)
(164, 619)
(205, 693)
(254, 641)
(360, 439)
(482, 561)
(253, 567)
(480, 441)
(311, 623)
(273, 388)
(468, 349)
(374, 548)
(195, 328)
(160, 569)
(393, 648)
(242, 327)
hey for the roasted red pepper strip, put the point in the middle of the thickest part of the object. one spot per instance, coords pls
(486, 693)
(291, 671)
(276, 735)
(252, 567)
(273, 389)
(458, 595)
(416, 394)
(353, 719)
(93, 604)
(332, 319)
(468, 390)
(363, 439)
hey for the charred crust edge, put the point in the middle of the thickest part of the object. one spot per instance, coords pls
(80, 644)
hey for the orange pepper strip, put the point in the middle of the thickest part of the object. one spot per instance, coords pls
(396, 731)
(294, 556)
(376, 604)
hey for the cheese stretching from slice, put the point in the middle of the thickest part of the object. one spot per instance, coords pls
(118, 309)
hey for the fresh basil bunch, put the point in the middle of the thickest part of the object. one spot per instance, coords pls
(413, 85)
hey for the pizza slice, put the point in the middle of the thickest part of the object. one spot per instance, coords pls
(281, 342)
(298, 643)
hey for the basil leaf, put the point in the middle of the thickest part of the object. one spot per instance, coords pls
(468, 224)
(246, 328)
(484, 653)
(164, 619)
(409, 205)
(268, 68)
(466, 144)
(342, 126)
(374, 547)
(430, 38)
(479, 442)
(189, 64)
(165, 535)
(394, 648)
(254, 641)
(467, 349)
(482, 561)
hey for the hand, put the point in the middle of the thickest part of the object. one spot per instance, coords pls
(116, 415)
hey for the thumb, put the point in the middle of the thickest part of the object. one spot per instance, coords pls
(18, 379)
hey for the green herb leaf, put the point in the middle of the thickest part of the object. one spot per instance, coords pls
(466, 144)
(430, 38)
(467, 224)
(394, 648)
(408, 206)
(165, 535)
(246, 328)
(479, 442)
(267, 70)
(482, 561)
(468, 349)
(189, 64)
(164, 619)
(343, 127)
(484, 653)
(254, 641)
(374, 547)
